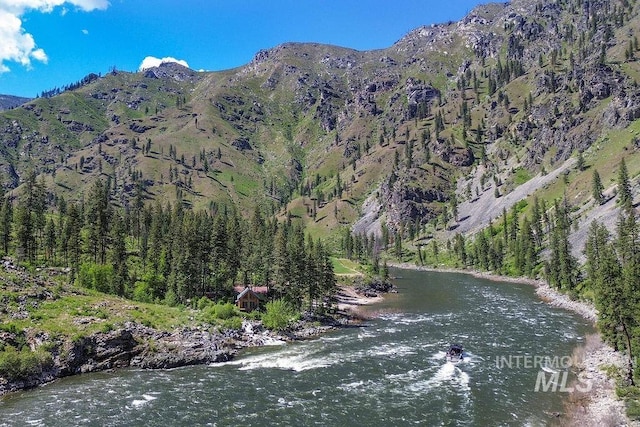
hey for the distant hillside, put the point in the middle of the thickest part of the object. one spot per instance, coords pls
(8, 101)
(474, 109)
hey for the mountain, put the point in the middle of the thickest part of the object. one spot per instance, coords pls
(9, 101)
(471, 115)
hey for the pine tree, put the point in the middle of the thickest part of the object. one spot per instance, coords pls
(118, 257)
(580, 162)
(6, 219)
(385, 270)
(482, 251)
(98, 214)
(282, 261)
(613, 269)
(628, 245)
(460, 249)
(50, 233)
(453, 203)
(29, 217)
(72, 239)
(624, 186)
(563, 266)
(597, 188)
(397, 245)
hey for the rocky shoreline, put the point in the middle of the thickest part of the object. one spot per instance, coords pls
(133, 344)
(136, 345)
(599, 405)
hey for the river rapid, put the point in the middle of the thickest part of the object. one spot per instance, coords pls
(390, 371)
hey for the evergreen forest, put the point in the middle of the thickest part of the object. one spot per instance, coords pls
(163, 253)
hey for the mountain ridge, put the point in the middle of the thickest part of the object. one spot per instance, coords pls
(11, 101)
(312, 130)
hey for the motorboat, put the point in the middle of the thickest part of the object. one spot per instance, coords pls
(455, 353)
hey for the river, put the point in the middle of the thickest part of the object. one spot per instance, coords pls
(390, 371)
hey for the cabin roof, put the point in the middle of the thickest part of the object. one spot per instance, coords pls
(253, 291)
(256, 289)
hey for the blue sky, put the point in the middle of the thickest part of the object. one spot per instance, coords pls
(49, 43)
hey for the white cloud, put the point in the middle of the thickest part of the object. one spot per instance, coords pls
(39, 55)
(152, 61)
(85, 31)
(18, 45)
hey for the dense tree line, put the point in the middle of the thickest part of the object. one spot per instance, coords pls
(163, 253)
(613, 268)
(72, 86)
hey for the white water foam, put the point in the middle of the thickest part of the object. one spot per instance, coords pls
(295, 358)
(410, 319)
(270, 341)
(145, 399)
(392, 349)
(408, 377)
(351, 386)
(447, 374)
(369, 387)
(438, 356)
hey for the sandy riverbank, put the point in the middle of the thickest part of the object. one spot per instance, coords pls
(597, 406)
(351, 303)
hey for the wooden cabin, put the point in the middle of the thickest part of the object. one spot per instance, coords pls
(249, 299)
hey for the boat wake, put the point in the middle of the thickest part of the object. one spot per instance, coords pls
(448, 375)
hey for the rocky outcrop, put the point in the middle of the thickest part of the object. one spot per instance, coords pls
(374, 287)
(136, 345)
(242, 144)
(419, 98)
(172, 71)
(405, 200)
(138, 128)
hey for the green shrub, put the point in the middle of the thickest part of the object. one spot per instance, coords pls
(633, 409)
(20, 339)
(10, 364)
(148, 323)
(253, 315)
(16, 365)
(106, 327)
(10, 327)
(141, 292)
(232, 323)
(149, 288)
(279, 315)
(225, 310)
(203, 303)
(521, 175)
(78, 337)
(97, 276)
(220, 311)
(170, 298)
